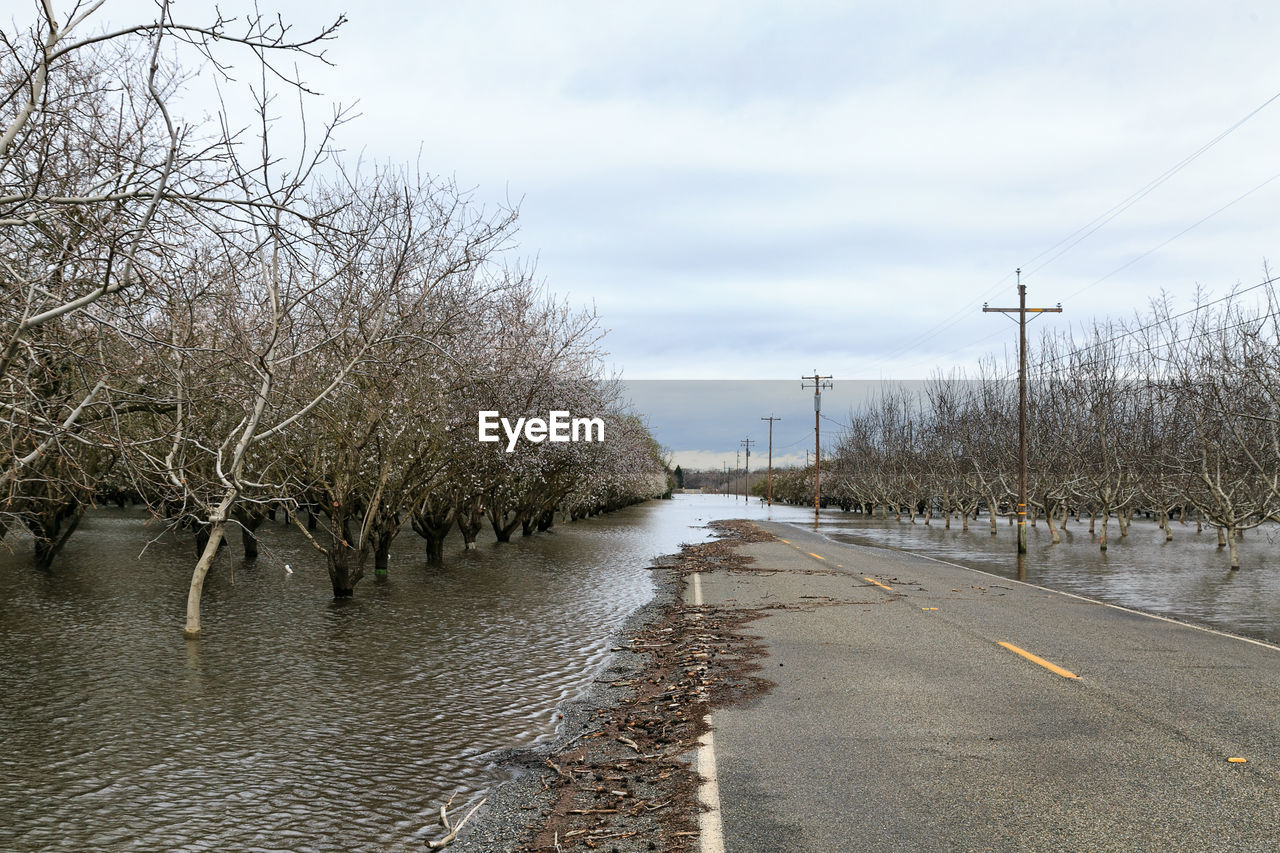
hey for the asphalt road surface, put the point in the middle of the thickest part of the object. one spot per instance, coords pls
(899, 722)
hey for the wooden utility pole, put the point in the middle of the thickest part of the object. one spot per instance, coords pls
(737, 469)
(818, 385)
(769, 488)
(746, 486)
(1022, 311)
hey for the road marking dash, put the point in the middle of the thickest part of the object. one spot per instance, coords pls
(819, 556)
(1065, 673)
(877, 583)
(780, 539)
(928, 608)
(709, 821)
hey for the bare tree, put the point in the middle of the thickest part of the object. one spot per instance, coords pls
(100, 179)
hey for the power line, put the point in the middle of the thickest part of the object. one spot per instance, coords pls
(1190, 227)
(942, 326)
(1262, 318)
(1134, 260)
(1092, 227)
(1088, 229)
(1132, 332)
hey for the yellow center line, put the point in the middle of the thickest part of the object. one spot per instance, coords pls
(780, 539)
(819, 556)
(1034, 659)
(877, 583)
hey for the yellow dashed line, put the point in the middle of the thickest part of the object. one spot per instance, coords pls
(780, 539)
(1044, 663)
(819, 556)
(877, 583)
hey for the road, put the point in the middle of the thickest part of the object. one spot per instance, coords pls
(899, 722)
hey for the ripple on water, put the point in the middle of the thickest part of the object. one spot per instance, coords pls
(295, 723)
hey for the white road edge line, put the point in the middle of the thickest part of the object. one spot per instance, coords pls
(710, 828)
(1168, 619)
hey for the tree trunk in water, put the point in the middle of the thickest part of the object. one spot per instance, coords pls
(250, 543)
(503, 532)
(432, 523)
(469, 523)
(213, 539)
(1234, 551)
(1102, 537)
(250, 522)
(383, 536)
(1222, 538)
(346, 568)
(435, 548)
(1054, 538)
(53, 530)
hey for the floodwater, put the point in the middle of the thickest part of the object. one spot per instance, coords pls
(297, 722)
(301, 723)
(1188, 578)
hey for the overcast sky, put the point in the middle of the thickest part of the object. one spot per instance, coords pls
(754, 190)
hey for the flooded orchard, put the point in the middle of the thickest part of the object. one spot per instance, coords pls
(303, 722)
(1186, 578)
(298, 721)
